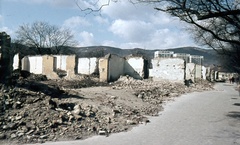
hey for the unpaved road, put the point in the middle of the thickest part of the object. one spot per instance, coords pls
(200, 118)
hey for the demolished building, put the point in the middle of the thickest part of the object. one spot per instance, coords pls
(87, 66)
(164, 66)
(172, 69)
(111, 67)
(50, 65)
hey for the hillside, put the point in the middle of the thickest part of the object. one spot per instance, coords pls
(210, 56)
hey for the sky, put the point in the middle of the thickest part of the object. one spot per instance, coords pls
(122, 24)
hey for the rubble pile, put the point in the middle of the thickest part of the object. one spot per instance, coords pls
(78, 82)
(156, 92)
(42, 111)
(29, 116)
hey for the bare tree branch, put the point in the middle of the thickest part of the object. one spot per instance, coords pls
(43, 35)
(216, 23)
(89, 10)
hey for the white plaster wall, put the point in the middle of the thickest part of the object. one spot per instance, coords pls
(204, 72)
(25, 64)
(172, 69)
(190, 71)
(156, 54)
(134, 66)
(87, 65)
(36, 66)
(198, 73)
(61, 62)
(221, 75)
(16, 61)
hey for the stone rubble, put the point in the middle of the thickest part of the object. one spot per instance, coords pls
(36, 112)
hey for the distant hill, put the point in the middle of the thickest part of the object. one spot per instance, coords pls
(210, 56)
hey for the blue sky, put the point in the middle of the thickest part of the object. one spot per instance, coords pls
(121, 24)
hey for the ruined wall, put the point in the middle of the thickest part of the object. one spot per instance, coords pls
(198, 73)
(212, 75)
(134, 67)
(60, 62)
(48, 67)
(222, 75)
(25, 64)
(16, 61)
(208, 73)
(204, 72)
(115, 67)
(190, 71)
(172, 69)
(70, 66)
(32, 64)
(103, 69)
(87, 66)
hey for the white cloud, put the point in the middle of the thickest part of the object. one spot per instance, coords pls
(101, 20)
(160, 18)
(142, 26)
(87, 39)
(166, 38)
(131, 30)
(56, 3)
(127, 11)
(159, 39)
(75, 22)
(120, 24)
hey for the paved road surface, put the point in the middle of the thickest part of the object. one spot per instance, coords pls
(206, 118)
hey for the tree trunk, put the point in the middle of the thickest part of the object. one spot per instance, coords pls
(6, 59)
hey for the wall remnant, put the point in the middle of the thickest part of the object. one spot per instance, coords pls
(48, 65)
(16, 61)
(204, 72)
(198, 72)
(135, 67)
(172, 69)
(111, 67)
(190, 71)
(33, 64)
(87, 66)
(103, 69)
(60, 62)
(70, 66)
(165, 66)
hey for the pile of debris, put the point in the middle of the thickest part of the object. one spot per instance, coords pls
(34, 111)
(29, 116)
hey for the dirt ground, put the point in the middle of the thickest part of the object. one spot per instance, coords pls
(37, 110)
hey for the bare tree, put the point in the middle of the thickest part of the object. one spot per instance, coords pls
(215, 23)
(43, 35)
